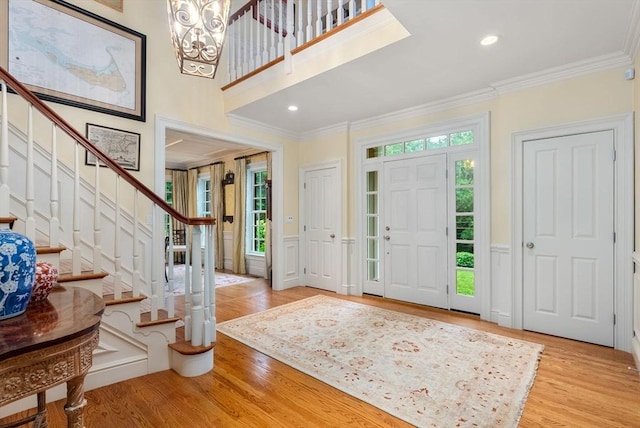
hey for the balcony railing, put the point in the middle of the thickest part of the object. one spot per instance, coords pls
(263, 32)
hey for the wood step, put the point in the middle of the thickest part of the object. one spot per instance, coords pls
(8, 220)
(68, 277)
(127, 297)
(42, 249)
(185, 347)
(163, 318)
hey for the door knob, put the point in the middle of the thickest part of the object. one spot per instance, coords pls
(333, 235)
(530, 245)
(387, 237)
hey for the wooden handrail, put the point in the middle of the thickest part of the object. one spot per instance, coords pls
(48, 112)
(242, 10)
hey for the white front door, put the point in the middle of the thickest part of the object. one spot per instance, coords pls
(322, 245)
(414, 228)
(568, 236)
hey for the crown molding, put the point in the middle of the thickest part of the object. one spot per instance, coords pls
(632, 42)
(555, 74)
(424, 109)
(342, 127)
(262, 127)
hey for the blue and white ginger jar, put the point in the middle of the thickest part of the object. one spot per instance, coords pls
(17, 272)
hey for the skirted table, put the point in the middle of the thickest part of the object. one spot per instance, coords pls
(51, 343)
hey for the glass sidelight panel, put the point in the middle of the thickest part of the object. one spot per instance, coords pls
(465, 233)
(372, 227)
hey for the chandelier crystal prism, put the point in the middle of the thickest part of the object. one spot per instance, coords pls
(197, 32)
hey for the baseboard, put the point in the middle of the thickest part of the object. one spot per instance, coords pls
(290, 283)
(95, 379)
(501, 318)
(348, 289)
(635, 351)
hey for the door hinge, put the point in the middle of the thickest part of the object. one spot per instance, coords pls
(304, 228)
(614, 319)
(614, 155)
(304, 185)
(446, 231)
(614, 237)
(447, 288)
(446, 173)
(304, 271)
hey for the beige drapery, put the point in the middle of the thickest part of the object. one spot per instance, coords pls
(239, 263)
(216, 173)
(267, 236)
(180, 203)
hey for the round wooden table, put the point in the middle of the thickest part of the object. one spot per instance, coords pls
(51, 343)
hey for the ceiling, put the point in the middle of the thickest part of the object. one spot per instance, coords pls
(443, 58)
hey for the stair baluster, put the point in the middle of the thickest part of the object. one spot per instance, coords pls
(5, 191)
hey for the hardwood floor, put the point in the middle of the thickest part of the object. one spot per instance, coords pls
(577, 385)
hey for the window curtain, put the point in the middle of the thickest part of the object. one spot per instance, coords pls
(239, 264)
(267, 235)
(180, 203)
(216, 172)
(192, 199)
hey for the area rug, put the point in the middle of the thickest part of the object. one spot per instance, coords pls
(222, 279)
(426, 372)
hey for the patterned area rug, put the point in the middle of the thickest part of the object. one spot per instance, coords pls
(222, 279)
(428, 373)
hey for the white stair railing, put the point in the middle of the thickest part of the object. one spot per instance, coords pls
(111, 234)
(263, 31)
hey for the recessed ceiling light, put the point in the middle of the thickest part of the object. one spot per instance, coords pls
(489, 40)
(293, 108)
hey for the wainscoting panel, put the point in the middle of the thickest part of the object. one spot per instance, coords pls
(291, 262)
(501, 303)
(348, 285)
(227, 237)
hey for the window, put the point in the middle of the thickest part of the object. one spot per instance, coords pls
(431, 142)
(464, 194)
(204, 196)
(373, 239)
(256, 208)
(168, 196)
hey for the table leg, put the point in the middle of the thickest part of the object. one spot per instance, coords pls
(40, 420)
(75, 402)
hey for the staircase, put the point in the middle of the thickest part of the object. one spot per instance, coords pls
(86, 220)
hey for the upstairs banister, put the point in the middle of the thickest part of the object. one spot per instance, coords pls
(48, 112)
(262, 33)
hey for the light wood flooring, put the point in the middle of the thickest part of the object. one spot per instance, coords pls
(577, 385)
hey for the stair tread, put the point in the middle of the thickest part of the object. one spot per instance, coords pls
(127, 297)
(68, 276)
(185, 347)
(44, 249)
(163, 318)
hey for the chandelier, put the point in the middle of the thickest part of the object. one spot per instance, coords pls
(197, 31)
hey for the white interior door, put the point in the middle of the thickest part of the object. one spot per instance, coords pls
(415, 221)
(568, 233)
(322, 243)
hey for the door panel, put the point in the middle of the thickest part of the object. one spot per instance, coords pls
(415, 219)
(322, 245)
(568, 236)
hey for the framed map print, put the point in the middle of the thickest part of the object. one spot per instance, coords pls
(121, 146)
(70, 56)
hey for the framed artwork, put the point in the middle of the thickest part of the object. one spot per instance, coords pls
(121, 146)
(264, 8)
(113, 4)
(74, 57)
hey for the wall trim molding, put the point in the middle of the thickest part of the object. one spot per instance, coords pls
(568, 71)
